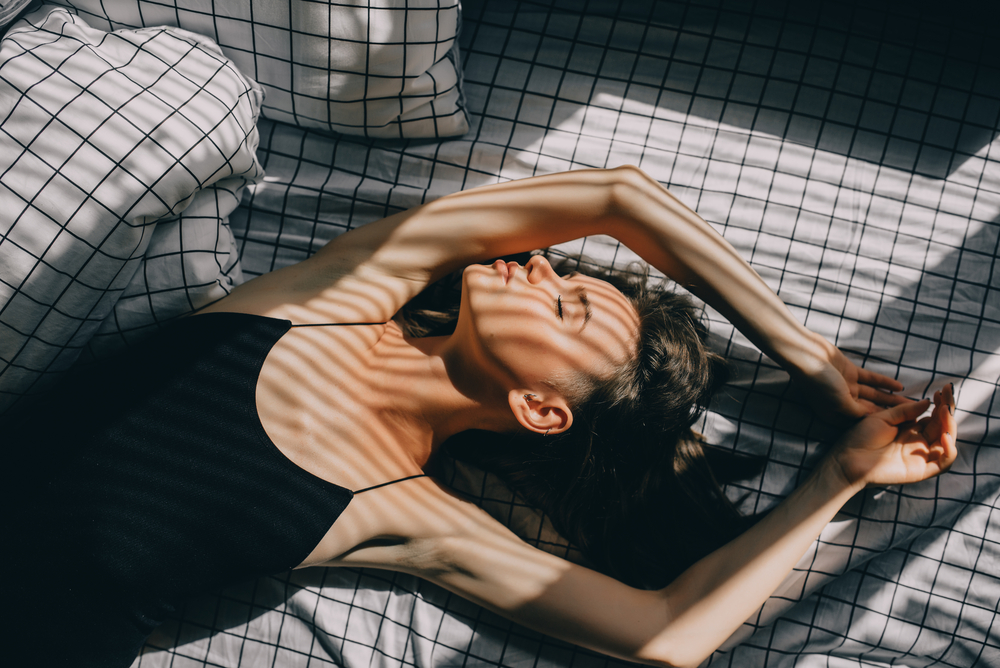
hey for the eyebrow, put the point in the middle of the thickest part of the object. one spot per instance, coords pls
(588, 312)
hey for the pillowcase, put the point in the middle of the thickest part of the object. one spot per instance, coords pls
(101, 137)
(380, 68)
(192, 260)
(9, 9)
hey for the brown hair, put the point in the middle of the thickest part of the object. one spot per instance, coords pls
(630, 483)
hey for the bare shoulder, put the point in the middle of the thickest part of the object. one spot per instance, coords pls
(340, 283)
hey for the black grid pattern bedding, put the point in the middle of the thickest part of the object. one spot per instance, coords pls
(849, 151)
(377, 69)
(101, 138)
(192, 260)
(9, 9)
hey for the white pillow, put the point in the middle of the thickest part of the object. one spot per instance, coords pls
(377, 68)
(192, 260)
(101, 136)
(9, 9)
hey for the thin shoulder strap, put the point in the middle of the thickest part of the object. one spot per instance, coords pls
(338, 324)
(391, 482)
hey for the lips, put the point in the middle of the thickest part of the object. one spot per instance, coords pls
(506, 269)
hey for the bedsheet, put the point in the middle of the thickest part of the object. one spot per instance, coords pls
(849, 152)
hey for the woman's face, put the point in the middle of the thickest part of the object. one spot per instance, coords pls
(540, 327)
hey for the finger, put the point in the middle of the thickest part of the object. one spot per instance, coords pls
(946, 408)
(868, 407)
(950, 444)
(878, 380)
(945, 447)
(931, 427)
(941, 422)
(949, 436)
(905, 412)
(881, 398)
(858, 408)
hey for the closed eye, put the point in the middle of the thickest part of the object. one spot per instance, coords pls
(588, 312)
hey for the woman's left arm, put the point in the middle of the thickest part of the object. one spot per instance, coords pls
(456, 545)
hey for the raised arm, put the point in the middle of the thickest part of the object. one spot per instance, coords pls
(684, 623)
(379, 267)
(676, 240)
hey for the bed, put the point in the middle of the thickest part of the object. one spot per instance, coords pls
(848, 150)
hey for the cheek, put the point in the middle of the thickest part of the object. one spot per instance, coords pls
(529, 353)
(509, 313)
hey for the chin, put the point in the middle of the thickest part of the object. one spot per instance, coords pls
(476, 271)
(478, 278)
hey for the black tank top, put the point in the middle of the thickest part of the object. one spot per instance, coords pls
(150, 481)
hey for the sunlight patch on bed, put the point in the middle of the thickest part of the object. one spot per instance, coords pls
(818, 226)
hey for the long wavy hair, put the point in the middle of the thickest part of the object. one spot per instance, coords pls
(630, 483)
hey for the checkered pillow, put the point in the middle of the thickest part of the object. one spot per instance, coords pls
(192, 260)
(102, 136)
(10, 9)
(377, 68)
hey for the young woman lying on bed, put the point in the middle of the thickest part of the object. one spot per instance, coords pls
(227, 447)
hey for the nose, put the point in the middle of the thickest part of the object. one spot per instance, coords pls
(539, 269)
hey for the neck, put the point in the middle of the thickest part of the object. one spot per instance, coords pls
(427, 392)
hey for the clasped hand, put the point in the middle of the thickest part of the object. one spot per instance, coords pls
(894, 447)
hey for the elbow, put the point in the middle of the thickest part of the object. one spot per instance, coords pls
(628, 184)
(626, 170)
(628, 177)
(680, 641)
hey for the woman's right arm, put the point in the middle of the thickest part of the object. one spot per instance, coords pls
(684, 623)
(371, 272)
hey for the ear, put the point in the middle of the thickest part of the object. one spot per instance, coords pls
(541, 413)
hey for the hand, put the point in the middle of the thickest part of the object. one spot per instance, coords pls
(839, 390)
(892, 447)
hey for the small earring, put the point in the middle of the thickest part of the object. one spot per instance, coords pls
(529, 397)
(546, 432)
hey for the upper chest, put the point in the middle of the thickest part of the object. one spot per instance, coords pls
(318, 402)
